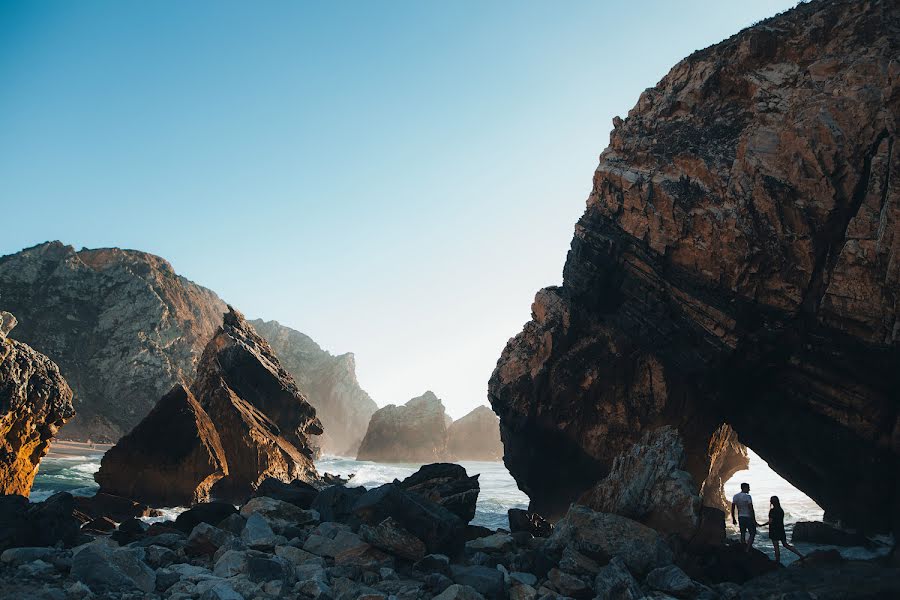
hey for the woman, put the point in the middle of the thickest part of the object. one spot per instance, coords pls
(776, 529)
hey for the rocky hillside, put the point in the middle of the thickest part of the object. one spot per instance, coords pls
(328, 381)
(35, 401)
(415, 432)
(122, 326)
(738, 262)
(475, 436)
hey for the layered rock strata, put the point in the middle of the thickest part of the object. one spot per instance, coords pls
(414, 432)
(476, 436)
(736, 263)
(35, 402)
(329, 383)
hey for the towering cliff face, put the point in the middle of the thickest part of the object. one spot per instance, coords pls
(122, 326)
(35, 401)
(415, 432)
(475, 436)
(738, 262)
(329, 383)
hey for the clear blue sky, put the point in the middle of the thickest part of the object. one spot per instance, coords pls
(393, 178)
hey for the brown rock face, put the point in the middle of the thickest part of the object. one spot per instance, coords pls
(35, 401)
(328, 382)
(264, 423)
(415, 432)
(173, 457)
(738, 262)
(476, 436)
(122, 326)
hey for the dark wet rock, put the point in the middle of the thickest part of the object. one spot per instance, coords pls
(440, 529)
(573, 561)
(205, 512)
(128, 531)
(816, 532)
(433, 563)
(281, 516)
(615, 582)
(99, 525)
(459, 592)
(390, 536)
(335, 503)
(448, 485)
(45, 523)
(117, 508)
(107, 569)
(671, 580)
(476, 436)
(172, 457)
(728, 563)
(852, 580)
(297, 492)
(35, 402)
(205, 539)
(415, 432)
(529, 522)
(569, 585)
(486, 581)
(734, 264)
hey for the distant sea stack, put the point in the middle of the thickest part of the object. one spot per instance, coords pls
(738, 263)
(476, 436)
(415, 432)
(35, 401)
(242, 421)
(122, 326)
(329, 383)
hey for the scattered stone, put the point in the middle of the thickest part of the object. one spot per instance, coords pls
(258, 534)
(485, 580)
(434, 563)
(389, 535)
(497, 542)
(233, 523)
(278, 514)
(615, 582)
(336, 503)
(671, 580)
(105, 569)
(206, 539)
(298, 492)
(204, 512)
(529, 522)
(569, 585)
(459, 592)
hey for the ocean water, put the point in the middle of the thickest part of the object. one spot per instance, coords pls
(74, 473)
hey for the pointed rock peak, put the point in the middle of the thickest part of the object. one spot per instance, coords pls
(428, 397)
(235, 318)
(7, 322)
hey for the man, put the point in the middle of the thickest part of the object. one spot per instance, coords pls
(743, 504)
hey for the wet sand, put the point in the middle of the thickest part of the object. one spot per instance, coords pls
(63, 448)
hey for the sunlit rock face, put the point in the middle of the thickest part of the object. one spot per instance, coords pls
(329, 383)
(475, 436)
(35, 401)
(737, 262)
(415, 432)
(122, 326)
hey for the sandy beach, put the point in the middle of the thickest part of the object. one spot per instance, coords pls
(64, 448)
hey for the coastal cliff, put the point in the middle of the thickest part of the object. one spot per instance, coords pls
(414, 432)
(737, 263)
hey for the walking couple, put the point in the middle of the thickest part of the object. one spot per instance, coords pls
(742, 504)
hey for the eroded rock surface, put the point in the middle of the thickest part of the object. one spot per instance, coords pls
(414, 432)
(329, 383)
(476, 436)
(171, 458)
(35, 401)
(737, 263)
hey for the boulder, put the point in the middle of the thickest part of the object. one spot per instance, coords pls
(205, 512)
(335, 503)
(205, 539)
(440, 529)
(476, 436)
(415, 432)
(569, 585)
(486, 581)
(35, 402)
(648, 484)
(297, 492)
(615, 582)
(816, 532)
(673, 581)
(600, 534)
(528, 522)
(448, 485)
(180, 471)
(459, 592)
(105, 569)
(278, 514)
(734, 264)
(117, 508)
(264, 423)
(390, 536)
(45, 523)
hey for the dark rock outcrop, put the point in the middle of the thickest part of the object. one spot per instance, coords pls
(45, 523)
(171, 458)
(736, 263)
(448, 485)
(415, 432)
(476, 436)
(122, 326)
(528, 522)
(329, 384)
(817, 532)
(264, 423)
(35, 401)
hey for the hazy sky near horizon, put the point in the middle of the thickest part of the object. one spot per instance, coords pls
(396, 179)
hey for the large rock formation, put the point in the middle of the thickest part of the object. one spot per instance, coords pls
(122, 325)
(35, 401)
(329, 383)
(171, 458)
(476, 436)
(738, 262)
(264, 423)
(415, 432)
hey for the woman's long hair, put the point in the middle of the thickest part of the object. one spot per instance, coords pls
(776, 504)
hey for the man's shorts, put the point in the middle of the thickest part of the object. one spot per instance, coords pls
(747, 524)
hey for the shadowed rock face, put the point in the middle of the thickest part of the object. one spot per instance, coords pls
(737, 263)
(264, 423)
(35, 401)
(413, 432)
(172, 457)
(329, 383)
(476, 436)
(122, 326)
